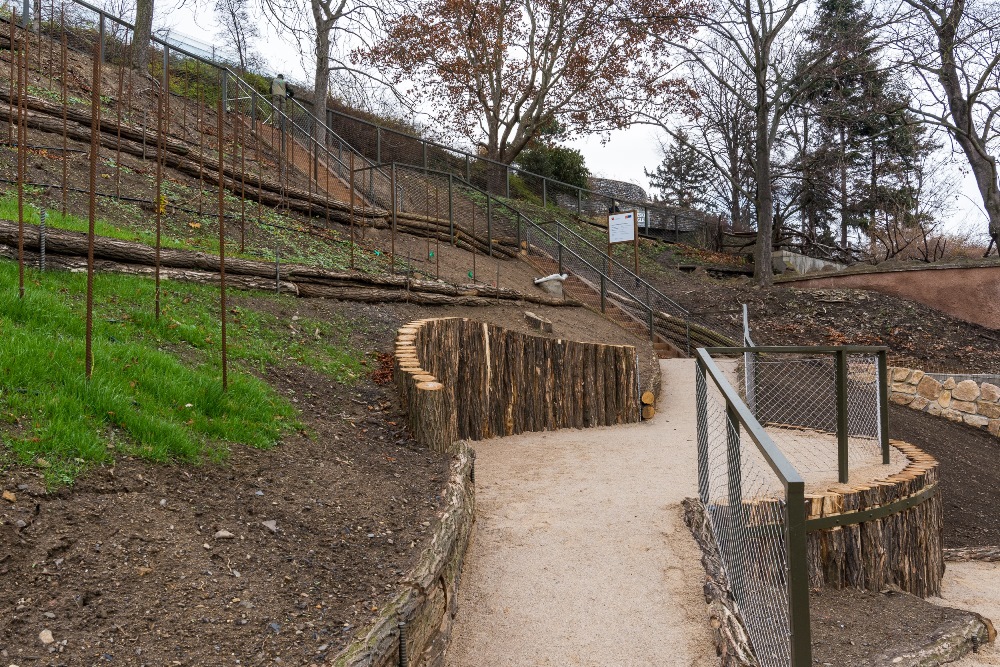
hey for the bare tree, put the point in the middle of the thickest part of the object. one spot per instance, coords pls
(238, 28)
(500, 72)
(955, 49)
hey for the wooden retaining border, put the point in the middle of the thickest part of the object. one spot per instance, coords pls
(423, 610)
(882, 534)
(460, 379)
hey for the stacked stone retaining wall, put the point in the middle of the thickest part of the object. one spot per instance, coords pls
(973, 403)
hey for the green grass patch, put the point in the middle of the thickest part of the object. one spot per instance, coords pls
(156, 388)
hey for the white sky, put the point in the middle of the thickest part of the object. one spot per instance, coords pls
(624, 157)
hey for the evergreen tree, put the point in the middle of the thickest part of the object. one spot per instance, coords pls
(856, 132)
(682, 178)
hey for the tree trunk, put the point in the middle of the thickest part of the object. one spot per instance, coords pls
(321, 82)
(843, 187)
(763, 270)
(984, 165)
(143, 32)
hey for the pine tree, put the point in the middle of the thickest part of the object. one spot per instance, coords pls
(682, 178)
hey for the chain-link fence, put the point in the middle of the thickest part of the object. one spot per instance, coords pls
(801, 419)
(824, 408)
(754, 501)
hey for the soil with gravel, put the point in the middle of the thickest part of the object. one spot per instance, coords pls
(969, 474)
(145, 564)
(849, 626)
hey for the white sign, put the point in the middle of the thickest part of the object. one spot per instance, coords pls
(621, 227)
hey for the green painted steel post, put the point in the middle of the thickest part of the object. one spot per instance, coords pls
(378, 145)
(468, 170)
(507, 170)
(579, 201)
(842, 442)
(559, 245)
(734, 459)
(604, 285)
(545, 192)
(649, 304)
(800, 633)
(883, 404)
(519, 231)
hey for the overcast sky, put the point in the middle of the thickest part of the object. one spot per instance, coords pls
(624, 157)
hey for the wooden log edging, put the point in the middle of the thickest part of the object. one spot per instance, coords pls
(989, 554)
(426, 602)
(459, 379)
(904, 549)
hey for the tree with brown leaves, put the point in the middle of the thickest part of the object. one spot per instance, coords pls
(500, 72)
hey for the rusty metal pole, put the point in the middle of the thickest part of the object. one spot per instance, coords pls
(437, 236)
(95, 143)
(201, 140)
(22, 90)
(160, 148)
(243, 180)
(392, 247)
(118, 142)
(472, 242)
(352, 210)
(222, 247)
(65, 115)
(13, 76)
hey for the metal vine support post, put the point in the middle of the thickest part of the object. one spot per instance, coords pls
(95, 144)
(222, 242)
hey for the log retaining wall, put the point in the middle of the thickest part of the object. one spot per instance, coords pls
(465, 380)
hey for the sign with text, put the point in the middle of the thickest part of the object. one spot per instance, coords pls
(622, 227)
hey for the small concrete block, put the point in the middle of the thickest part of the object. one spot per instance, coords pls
(538, 322)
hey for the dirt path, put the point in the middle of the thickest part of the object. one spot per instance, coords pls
(580, 556)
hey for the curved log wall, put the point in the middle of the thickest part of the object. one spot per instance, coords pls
(466, 380)
(904, 549)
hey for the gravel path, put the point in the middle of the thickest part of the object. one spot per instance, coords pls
(580, 555)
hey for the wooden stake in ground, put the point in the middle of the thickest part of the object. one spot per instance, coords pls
(222, 245)
(95, 146)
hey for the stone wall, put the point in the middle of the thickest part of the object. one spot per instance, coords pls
(976, 404)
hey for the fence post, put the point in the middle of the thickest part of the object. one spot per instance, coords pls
(507, 170)
(579, 201)
(425, 156)
(225, 86)
(253, 111)
(883, 405)
(649, 304)
(468, 170)
(545, 193)
(701, 400)
(392, 246)
(800, 640)
(842, 443)
(451, 208)
(378, 144)
(519, 231)
(489, 223)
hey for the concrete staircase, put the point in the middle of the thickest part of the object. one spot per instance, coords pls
(590, 297)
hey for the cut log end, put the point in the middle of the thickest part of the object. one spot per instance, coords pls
(648, 398)
(648, 411)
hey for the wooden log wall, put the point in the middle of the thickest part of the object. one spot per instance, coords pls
(905, 549)
(460, 379)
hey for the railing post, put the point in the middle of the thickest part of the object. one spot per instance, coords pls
(559, 248)
(253, 112)
(507, 170)
(544, 192)
(489, 222)
(701, 400)
(451, 208)
(392, 246)
(800, 639)
(883, 405)
(579, 201)
(378, 145)
(649, 304)
(425, 157)
(842, 422)
(519, 231)
(468, 170)
(604, 285)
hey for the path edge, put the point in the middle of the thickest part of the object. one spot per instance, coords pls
(427, 599)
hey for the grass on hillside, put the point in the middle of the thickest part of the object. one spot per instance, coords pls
(200, 232)
(156, 387)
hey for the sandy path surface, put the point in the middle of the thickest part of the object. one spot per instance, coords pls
(974, 586)
(580, 555)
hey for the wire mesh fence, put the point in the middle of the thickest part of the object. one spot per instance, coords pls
(747, 489)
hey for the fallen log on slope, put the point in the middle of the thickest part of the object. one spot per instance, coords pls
(302, 280)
